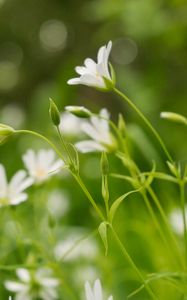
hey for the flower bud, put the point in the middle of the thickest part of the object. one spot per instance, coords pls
(122, 125)
(79, 111)
(5, 132)
(54, 113)
(173, 117)
(104, 164)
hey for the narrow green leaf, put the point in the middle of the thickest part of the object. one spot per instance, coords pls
(103, 233)
(117, 203)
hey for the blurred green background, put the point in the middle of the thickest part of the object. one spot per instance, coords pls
(40, 44)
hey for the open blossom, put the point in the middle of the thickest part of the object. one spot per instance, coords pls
(12, 193)
(95, 293)
(99, 131)
(32, 285)
(93, 73)
(41, 164)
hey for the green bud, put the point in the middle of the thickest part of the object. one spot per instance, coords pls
(122, 125)
(173, 117)
(79, 111)
(54, 113)
(5, 132)
(104, 164)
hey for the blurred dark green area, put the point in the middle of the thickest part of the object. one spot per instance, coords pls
(40, 44)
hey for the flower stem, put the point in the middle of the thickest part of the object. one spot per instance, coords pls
(182, 198)
(89, 196)
(147, 122)
(43, 138)
(133, 265)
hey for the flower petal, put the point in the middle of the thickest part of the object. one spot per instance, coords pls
(98, 290)
(88, 291)
(89, 146)
(74, 81)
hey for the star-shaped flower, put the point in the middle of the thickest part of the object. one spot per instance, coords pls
(41, 164)
(96, 74)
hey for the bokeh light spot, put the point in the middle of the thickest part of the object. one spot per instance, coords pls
(124, 51)
(9, 75)
(53, 35)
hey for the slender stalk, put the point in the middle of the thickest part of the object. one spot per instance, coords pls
(147, 122)
(182, 198)
(64, 144)
(133, 265)
(88, 195)
(43, 138)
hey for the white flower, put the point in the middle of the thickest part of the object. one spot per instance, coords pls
(70, 125)
(32, 285)
(99, 131)
(92, 73)
(176, 220)
(12, 193)
(74, 246)
(41, 164)
(95, 293)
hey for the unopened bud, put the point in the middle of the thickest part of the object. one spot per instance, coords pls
(5, 132)
(173, 117)
(122, 125)
(104, 164)
(79, 111)
(54, 113)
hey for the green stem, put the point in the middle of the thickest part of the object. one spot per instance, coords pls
(64, 144)
(43, 138)
(147, 122)
(133, 265)
(182, 198)
(88, 195)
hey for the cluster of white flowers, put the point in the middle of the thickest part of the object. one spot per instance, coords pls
(31, 285)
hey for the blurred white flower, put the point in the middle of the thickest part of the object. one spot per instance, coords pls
(96, 292)
(75, 246)
(32, 285)
(92, 73)
(99, 131)
(58, 203)
(176, 220)
(41, 164)
(12, 193)
(70, 125)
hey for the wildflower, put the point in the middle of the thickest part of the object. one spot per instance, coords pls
(74, 247)
(95, 74)
(42, 164)
(33, 284)
(12, 193)
(99, 131)
(95, 293)
(70, 125)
